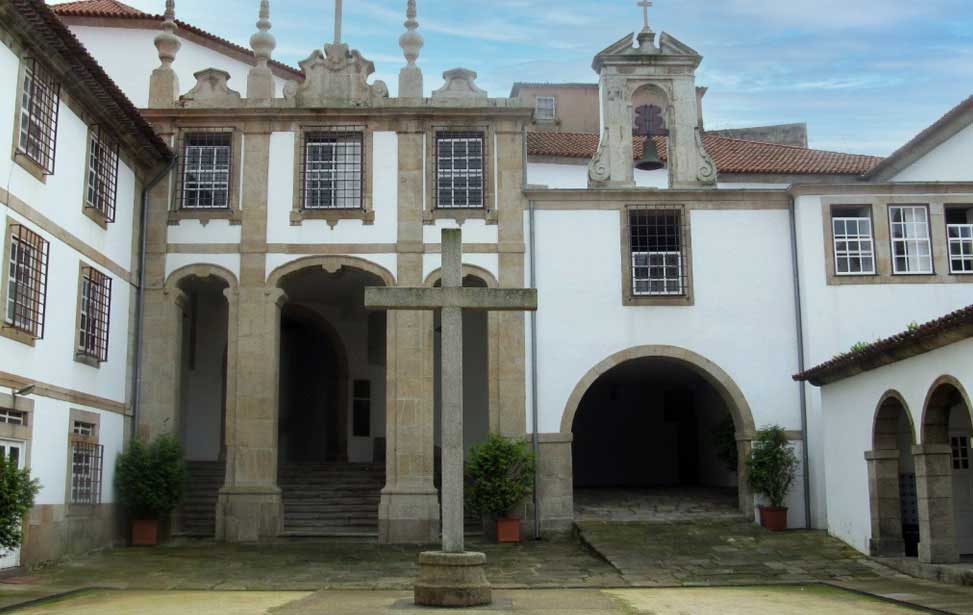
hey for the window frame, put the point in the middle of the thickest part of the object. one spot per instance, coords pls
(537, 108)
(17, 233)
(93, 317)
(333, 216)
(950, 241)
(339, 135)
(834, 239)
(233, 212)
(86, 443)
(43, 163)
(455, 137)
(893, 240)
(101, 176)
(686, 296)
(433, 212)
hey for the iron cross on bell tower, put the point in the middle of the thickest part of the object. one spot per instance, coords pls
(337, 22)
(646, 5)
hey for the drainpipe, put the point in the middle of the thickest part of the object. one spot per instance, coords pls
(799, 316)
(140, 302)
(535, 419)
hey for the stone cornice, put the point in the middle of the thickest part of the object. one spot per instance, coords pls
(880, 189)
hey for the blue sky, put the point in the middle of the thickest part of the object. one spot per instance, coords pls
(866, 75)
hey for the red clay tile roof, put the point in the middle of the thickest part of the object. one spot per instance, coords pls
(730, 155)
(953, 114)
(112, 9)
(917, 340)
(49, 37)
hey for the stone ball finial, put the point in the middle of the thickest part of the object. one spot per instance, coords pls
(411, 42)
(167, 42)
(263, 42)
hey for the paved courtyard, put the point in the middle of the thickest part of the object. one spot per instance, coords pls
(662, 504)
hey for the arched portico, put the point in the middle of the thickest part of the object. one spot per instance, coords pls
(943, 479)
(693, 368)
(893, 524)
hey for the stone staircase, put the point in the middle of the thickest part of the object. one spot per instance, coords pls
(333, 499)
(196, 516)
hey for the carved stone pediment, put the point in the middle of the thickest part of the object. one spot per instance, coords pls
(211, 90)
(460, 83)
(337, 73)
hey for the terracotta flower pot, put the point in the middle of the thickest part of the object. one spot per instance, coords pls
(774, 519)
(145, 533)
(508, 530)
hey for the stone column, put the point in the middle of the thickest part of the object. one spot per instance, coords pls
(510, 326)
(934, 489)
(409, 508)
(250, 506)
(159, 411)
(745, 494)
(885, 503)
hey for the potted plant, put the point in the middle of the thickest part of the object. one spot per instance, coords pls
(150, 479)
(772, 467)
(499, 475)
(17, 492)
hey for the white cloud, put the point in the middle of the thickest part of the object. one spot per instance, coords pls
(837, 14)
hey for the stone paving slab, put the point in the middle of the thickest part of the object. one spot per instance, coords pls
(719, 552)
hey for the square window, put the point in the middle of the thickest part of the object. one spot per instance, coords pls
(459, 170)
(658, 257)
(333, 170)
(545, 108)
(206, 170)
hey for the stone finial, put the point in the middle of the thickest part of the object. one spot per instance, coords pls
(164, 84)
(260, 81)
(460, 84)
(410, 77)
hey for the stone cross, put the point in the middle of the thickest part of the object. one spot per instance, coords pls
(337, 22)
(452, 299)
(645, 4)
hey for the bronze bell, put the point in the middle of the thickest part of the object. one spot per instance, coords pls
(650, 157)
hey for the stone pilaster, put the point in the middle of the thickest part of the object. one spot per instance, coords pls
(884, 503)
(512, 389)
(934, 489)
(409, 508)
(161, 363)
(555, 484)
(744, 493)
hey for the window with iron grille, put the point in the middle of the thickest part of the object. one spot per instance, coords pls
(854, 250)
(39, 106)
(94, 314)
(333, 171)
(459, 170)
(102, 173)
(26, 292)
(206, 159)
(959, 233)
(961, 453)
(545, 108)
(13, 417)
(658, 252)
(86, 472)
(911, 243)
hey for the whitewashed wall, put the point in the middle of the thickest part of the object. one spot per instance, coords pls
(555, 175)
(948, 162)
(849, 413)
(131, 68)
(742, 320)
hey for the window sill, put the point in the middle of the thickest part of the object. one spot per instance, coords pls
(86, 360)
(658, 300)
(332, 216)
(18, 335)
(28, 164)
(205, 216)
(460, 214)
(96, 216)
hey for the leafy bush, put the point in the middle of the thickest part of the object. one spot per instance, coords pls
(725, 442)
(499, 475)
(772, 465)
(17, 492)
(151, 478)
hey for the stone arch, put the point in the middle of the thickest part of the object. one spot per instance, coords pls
(200, 270)
(890, 402)
(468, 270)
(711, 372)
(935, 411)
(330, 263)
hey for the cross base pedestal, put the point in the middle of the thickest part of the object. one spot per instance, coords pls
(452, 580)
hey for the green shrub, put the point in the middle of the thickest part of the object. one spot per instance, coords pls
(499, 475)
(725, 442)
(151, 478)
(17, 493)
(772, 465)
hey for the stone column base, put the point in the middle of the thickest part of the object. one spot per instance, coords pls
(452, 580)
(249, 514)
(408, 516)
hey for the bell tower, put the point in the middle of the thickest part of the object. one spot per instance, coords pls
(662, 76)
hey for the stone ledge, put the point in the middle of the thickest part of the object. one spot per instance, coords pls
(952, 574)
